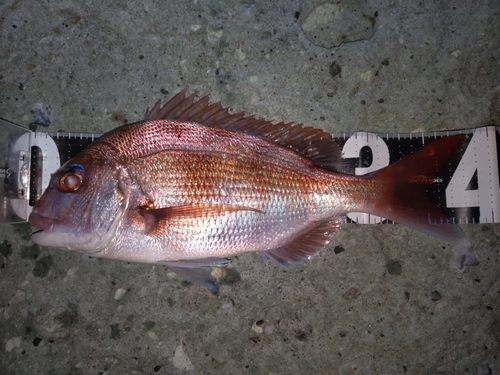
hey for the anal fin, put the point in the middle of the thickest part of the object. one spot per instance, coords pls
(304, 246)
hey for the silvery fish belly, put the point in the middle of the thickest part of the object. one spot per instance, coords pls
(192, 184)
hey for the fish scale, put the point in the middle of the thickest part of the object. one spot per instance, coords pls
(247, 184)
(213, 171)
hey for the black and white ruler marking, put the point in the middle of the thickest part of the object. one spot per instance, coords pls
(467, 189)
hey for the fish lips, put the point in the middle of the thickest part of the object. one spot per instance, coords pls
(46, 226)
(42, 222)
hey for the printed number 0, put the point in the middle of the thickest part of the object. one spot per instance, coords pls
(380, 152)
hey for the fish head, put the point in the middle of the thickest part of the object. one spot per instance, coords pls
(82, 206)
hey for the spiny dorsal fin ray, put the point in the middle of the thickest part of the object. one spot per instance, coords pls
(315, 144)
(162, 112)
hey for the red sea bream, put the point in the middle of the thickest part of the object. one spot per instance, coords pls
(192, 185)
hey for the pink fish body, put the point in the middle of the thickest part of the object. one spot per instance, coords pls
(192, 185)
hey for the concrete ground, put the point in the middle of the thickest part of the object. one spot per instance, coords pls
(388, 304)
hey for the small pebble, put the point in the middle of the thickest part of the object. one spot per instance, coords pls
(440, 306)
(228, 306)
(120, 293)
(247, 9)
(268, 328)
(13, 343)
(257, 326)
(41, 114)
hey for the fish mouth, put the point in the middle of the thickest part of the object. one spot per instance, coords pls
(54, 234)
(42, 222)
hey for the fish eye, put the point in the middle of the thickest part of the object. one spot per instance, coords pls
(72, 179)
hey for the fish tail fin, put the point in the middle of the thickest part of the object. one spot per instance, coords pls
(403, 186)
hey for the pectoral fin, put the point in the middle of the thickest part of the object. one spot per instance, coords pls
(158, 219)
(195, 271)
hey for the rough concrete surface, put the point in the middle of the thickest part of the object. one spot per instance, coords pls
(378, 300)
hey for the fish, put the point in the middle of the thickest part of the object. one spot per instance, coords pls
(192, 185)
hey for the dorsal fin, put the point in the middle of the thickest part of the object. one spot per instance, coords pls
(315, 144)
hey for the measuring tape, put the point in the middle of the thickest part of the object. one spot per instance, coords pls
(467, 189)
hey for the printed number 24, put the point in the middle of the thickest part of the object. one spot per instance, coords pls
(480, 157)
